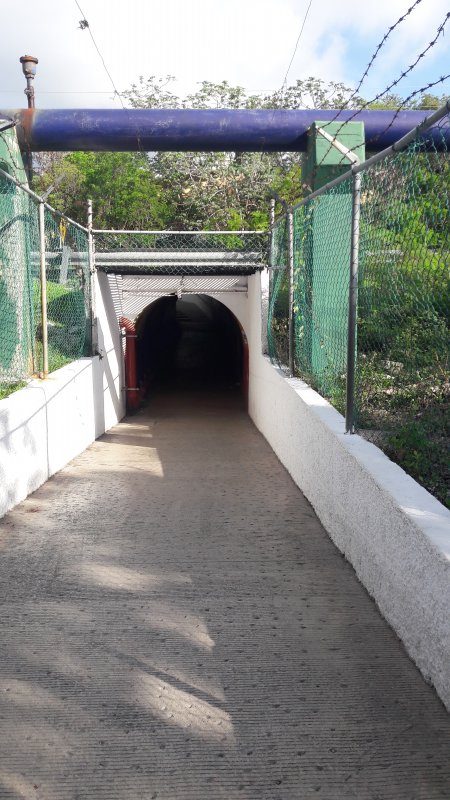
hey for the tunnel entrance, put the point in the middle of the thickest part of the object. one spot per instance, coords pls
(190, 343)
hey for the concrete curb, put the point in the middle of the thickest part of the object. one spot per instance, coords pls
(394, 533)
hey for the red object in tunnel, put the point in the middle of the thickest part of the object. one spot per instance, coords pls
(132, 389)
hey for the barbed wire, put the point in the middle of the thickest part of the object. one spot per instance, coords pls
(297, 43)
(414, 64)
(366, 71)
(379, 46)
(411, 67)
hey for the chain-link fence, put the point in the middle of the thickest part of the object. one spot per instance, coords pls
(180, 252)
(402, 370)
(278, 316)
(40, 251)
(68, 289)
(389, 372)
(39, 248)
(17, 343)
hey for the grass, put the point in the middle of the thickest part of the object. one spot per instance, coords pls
(10, 388)
(67, 324)
(402, 382)
(403, 406)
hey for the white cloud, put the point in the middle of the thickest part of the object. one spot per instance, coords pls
(249, 42)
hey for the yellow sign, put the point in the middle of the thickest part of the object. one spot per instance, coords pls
(63, 230)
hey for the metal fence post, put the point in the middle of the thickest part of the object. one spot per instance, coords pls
(271, 224)
(266, 279)
(290, 248)
(92, 270)
(43, 283)
(352, 305)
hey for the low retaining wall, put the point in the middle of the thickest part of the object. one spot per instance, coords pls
(393, 532)
(46, 424)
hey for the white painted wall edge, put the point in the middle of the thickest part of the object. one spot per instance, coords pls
(393, 532)
(46, 424)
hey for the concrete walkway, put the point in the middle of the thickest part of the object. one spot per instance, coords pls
(176, 625)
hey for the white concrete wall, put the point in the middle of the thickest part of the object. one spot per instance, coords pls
(110, 377)
(46, 424)
(237, 303)
(393, 532)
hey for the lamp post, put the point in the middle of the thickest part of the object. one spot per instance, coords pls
(29, 70)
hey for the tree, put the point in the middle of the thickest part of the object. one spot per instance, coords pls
(123, 187)
(230, 190)
(193, 190)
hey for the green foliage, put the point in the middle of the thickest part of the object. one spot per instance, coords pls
(426, 101)
(8, 317)
(66, 323)
(402, 395)
(10, 388)
(191, 190)
(123, 186)
(420, 447)
(185, 190)
(312, 92)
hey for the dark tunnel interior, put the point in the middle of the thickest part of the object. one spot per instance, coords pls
(192, 342)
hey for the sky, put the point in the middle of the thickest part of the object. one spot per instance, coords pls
(246, 42)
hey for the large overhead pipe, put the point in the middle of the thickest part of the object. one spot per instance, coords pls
(200, 129)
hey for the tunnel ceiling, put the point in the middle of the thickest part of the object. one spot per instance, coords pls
(132, 293)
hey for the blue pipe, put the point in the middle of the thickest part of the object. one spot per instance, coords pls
(199, 129)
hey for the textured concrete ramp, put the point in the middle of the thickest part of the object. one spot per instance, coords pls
(176, 625)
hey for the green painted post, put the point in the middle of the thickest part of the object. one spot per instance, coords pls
(328, 248)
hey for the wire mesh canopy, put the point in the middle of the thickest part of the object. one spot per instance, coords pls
(181, 253)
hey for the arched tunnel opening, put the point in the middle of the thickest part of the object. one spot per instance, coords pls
(191, 343)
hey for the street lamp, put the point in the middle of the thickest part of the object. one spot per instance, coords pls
(29, 70)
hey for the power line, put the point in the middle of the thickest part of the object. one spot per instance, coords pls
(440, 30)
(84, 24)
(280, 91)
(296, 44)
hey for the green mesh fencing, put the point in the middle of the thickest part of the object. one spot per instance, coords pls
(68, 291)
(18, 226)
(322, 232)
(67, 286)
(278, 318)
(402, 383)
(402, 369)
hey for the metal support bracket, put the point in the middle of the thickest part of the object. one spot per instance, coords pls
(346, 152)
